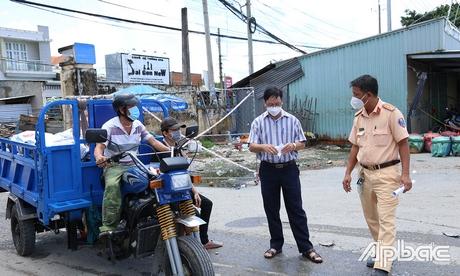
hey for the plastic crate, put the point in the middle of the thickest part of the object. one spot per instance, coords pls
(441, 146)
(456, 146)
(415, 143)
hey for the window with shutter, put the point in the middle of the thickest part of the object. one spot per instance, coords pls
(16, 53)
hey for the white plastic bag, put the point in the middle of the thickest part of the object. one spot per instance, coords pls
(194, 146)
(27, 137)
(62, 138)
(51, 140)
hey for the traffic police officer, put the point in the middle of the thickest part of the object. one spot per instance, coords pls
(276, 136)
(379, 143)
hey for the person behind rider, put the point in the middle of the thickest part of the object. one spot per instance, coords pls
(124, 133)
(170, 129)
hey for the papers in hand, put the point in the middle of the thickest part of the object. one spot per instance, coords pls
(398, 191)
(279, 148)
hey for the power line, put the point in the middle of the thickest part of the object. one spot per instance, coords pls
(148, 12)
(266, 54)
(276, 26)
(190, 22)
(215, 8)
(112, 18)
(26, 61)
(129, 8)
(244, 18)
(311, 16)
(95, 21)
(279, 44)
(218, 10)
(423, 16)
(296, 26)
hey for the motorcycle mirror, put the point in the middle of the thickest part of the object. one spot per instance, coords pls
(191, 131)
(95, 135)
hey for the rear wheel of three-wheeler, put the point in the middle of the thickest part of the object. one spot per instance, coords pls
(23, 232)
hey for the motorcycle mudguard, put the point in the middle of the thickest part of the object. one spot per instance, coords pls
(190, 221)
(133, 181)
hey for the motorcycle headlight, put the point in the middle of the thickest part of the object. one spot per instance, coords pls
(181, 182)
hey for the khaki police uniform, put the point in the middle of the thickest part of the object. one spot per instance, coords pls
(377, 134)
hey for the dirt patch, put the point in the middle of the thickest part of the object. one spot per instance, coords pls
(323, 157)
(219, 173)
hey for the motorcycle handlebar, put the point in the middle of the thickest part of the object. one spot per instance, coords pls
(138, 163)
(117, 157)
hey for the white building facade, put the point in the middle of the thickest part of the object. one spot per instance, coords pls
(25, 64)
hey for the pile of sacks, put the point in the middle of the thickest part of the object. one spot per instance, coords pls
(51, 140)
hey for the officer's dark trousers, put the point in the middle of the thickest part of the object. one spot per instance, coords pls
(273, 180)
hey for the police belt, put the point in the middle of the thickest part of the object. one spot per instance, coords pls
(381, 166)
(279, 165)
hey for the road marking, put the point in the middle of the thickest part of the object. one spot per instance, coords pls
(250, 269)
(223, 265)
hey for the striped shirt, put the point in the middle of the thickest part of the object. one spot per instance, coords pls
(266, 130)
(126, 142)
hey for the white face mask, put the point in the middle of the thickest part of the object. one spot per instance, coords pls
(274, 110)
(357, 103)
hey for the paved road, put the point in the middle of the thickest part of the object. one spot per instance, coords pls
(238, 220)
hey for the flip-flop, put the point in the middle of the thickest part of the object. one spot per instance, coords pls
(315, 257)
(270, 253)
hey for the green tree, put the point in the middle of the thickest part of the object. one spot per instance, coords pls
(413, 17)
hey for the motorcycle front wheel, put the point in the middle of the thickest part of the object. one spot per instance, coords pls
(195, 259)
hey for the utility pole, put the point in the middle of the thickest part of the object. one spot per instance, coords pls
(208, 50)
(186, 77)
(389, 15)
(250, 52)
(78, 78)
(221, 78)
(380, 21)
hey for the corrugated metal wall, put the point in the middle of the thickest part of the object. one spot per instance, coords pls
(451, 37)
(329, 72)
(9, 113)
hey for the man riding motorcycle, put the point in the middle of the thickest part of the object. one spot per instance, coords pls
(124, 133)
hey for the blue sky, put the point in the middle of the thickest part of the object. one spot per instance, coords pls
(309, 22)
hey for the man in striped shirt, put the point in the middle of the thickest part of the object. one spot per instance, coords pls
(276, 136)
(125, 133)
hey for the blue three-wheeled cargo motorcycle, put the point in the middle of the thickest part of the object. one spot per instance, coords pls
(53, 186)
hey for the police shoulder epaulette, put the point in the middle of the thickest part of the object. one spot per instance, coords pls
(359, 112)
(388, 106)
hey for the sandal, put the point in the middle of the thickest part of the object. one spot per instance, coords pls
(270, 253)
(213, 244)
(313, 256)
